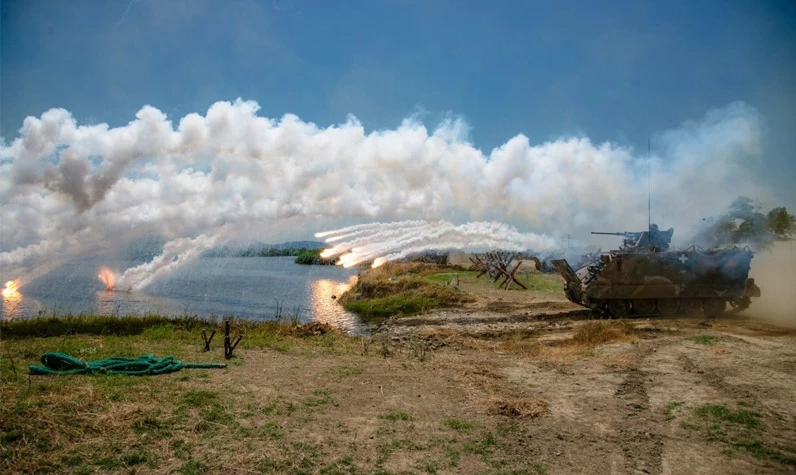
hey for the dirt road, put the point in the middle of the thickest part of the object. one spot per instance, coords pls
(668, 396)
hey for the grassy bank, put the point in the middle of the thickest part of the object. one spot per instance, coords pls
(294, 399)
(117, 423)
(412, 288)
(401, 288)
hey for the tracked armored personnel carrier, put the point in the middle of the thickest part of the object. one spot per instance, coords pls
(645, 278)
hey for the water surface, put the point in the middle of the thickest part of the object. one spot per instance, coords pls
(258, 288)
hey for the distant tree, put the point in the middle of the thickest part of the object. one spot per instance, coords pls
(754, 229)
(725, 231)
(781, 223)
(743, 223)
(742, 208)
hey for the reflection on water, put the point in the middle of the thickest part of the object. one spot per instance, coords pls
(324, 305)
(108, 302)
(11, 301)
(16, 304)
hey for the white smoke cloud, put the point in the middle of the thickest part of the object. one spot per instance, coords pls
(67, 189)
(176, 253)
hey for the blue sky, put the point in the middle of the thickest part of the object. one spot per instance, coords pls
(620, 71)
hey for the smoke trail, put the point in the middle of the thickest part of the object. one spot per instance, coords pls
(175, 254)
(68, 189)
(382, 243)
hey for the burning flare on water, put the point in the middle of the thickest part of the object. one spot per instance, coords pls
(11, 290)
(107, 277)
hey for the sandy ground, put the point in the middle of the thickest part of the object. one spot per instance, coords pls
(629, 407)
(637, 405)
(474, 402)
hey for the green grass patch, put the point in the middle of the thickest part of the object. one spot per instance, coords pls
(596, 333)
(739, 430)
(48, 326)
(199, 397)
(549, 283)
(164, 332)
(459, 425)
(394, 415)
(444, 277)
(406, 303)
(322, 398)
(152, 423)
(193, 467)
(406, 289)
(743, 417)
(483, 447)
(453, 456)
(272, 431)
(343, 371)
(702, 339)
(123, 335)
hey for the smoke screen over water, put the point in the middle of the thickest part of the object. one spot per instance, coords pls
(72, 190)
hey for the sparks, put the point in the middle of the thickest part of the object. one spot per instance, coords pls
(11, 289)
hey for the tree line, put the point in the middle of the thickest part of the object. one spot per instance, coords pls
(745, 222)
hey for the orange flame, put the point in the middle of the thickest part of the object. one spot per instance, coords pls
(11, 290)
(107, 277)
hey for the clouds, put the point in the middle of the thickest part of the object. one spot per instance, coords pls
(61, 181)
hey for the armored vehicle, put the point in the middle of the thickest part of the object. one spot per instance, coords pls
(644, 277)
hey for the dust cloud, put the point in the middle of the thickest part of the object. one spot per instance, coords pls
(774, 271)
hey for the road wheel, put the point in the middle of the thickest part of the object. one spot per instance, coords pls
(668, 306)
(619, 308)
(691, 306)
(644, 307)
(714, 307)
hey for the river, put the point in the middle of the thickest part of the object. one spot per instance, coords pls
(257, 288)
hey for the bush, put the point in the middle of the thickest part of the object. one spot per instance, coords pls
(313, 257)
(399, 289)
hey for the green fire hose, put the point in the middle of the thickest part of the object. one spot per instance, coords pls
(146, 365)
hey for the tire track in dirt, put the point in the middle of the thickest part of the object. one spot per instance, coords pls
(641, 446)
(716, 381)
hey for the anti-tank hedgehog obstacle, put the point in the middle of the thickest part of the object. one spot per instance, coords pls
(496, 265)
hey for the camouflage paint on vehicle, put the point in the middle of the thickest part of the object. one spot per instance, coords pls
(643, 277)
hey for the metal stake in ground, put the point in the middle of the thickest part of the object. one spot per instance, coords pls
(229, 344)
(208, 340)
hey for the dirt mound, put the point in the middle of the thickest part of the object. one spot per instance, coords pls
(520, 408)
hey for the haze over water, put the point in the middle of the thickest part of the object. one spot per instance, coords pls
(251, 287)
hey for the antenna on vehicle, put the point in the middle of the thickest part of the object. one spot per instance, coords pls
(649, 189)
